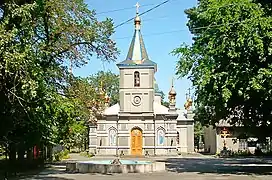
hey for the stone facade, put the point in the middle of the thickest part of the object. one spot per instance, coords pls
(139, 124)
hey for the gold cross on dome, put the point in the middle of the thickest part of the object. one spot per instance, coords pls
(172, 82)
(137, 5)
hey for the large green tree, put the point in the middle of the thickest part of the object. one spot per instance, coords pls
(36, 38)
(109, 82)
(230, 62)
(90, 92)
(84, 99)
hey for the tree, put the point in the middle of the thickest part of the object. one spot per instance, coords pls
(229, 62)
(198, 133)
(90, 92)
(36, 38)
(165, 103)
(87, 98)
(109, 82)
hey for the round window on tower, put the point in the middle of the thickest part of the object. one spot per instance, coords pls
(137, 100)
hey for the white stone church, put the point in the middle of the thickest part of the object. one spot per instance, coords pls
(139, 124)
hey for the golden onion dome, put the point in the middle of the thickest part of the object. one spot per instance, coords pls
(137, 20)
(172, 92)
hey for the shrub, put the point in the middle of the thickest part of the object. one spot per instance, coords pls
(86, 154)
(58, 156)
(242, 153)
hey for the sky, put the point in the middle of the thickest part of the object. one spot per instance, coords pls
(163, 30)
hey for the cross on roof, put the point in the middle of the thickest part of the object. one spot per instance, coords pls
(172, 82)
(137, 7)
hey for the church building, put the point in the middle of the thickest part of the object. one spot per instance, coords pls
(139, 124)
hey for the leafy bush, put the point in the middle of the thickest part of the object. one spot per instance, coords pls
(242, 153)
(86, 154)
(225, 153)
(61, 155)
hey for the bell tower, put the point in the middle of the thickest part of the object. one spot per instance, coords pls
(137, 76)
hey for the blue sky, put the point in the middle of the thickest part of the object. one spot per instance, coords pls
(163, 29)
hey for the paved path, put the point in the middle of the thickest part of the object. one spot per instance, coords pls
(197, 168)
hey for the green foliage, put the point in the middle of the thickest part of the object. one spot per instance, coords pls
(70, 129)
(85, 99)
(86, 154)
(109, 82)
(229, 62)
(2, 153)
(90, 93)
(164, 103)
(241, 153)
(58, 156)
(36, 38)
(198, 129)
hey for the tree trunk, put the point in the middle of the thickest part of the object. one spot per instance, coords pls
(30, 154)
(21, 153)
(12, 167)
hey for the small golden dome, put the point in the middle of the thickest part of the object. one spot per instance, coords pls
(137, 20)
(172, 92)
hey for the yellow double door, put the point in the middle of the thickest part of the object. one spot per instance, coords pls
(136, 144)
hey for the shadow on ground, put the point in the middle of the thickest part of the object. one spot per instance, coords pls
(50, 178)
(53, 172)
(243, 166)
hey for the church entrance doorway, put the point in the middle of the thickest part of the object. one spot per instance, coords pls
(136, 145)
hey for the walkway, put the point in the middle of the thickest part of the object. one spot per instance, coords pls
(194, 168)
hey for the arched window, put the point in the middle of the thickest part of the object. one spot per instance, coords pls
(161, 137)
(136, 79)
(112, 137)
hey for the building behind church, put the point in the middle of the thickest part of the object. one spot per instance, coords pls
(139, 124)
(232, 137)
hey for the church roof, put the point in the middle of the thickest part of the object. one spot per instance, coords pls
(137, 54)
(160, 109)
(114, 110)
(156, 88)
(137, 49)
(182, 115)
